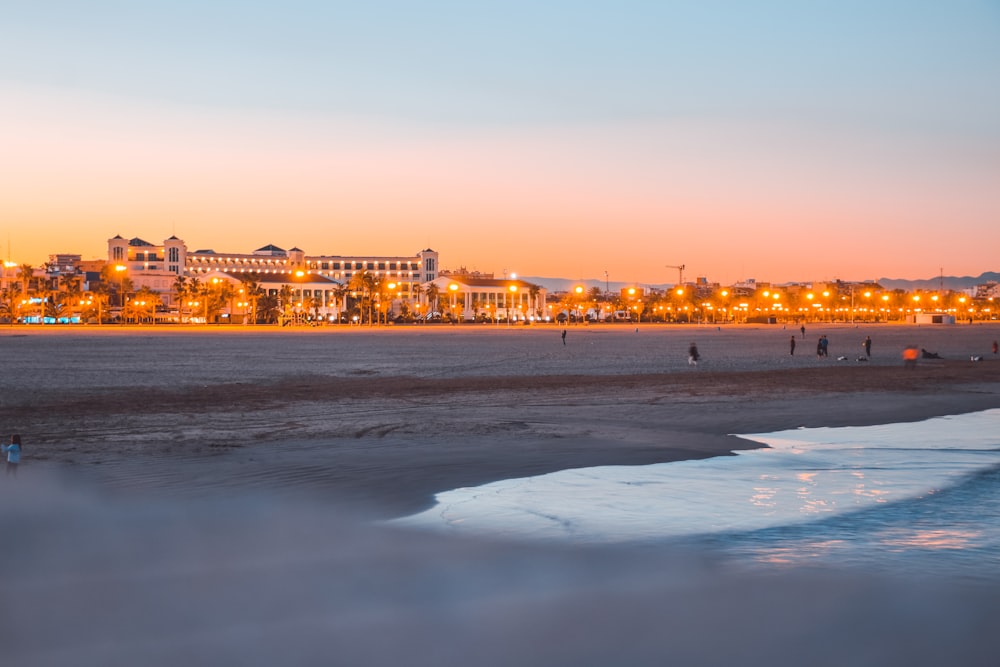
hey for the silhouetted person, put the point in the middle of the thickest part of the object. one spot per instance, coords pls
(803, 330)
(995, 347)
(791, 345)
(868, 346)
(564, 336)
(693, 355)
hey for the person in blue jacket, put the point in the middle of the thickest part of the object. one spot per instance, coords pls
(13, 451)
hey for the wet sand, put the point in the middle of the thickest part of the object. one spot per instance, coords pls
(210, 492)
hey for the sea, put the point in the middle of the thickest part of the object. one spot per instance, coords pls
(919, 498)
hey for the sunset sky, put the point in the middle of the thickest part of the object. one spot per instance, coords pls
(782, 141)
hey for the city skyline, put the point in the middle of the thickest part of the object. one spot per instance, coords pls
(778, 142)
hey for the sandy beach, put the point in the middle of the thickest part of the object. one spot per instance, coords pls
(216, 494)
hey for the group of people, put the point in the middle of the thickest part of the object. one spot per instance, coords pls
(823, 345)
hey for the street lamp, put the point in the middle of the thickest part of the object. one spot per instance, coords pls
(513, 292)
(120, 269)
(453, 289)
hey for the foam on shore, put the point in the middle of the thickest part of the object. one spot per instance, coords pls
(805, 475)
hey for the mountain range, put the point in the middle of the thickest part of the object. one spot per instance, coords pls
(955, 283)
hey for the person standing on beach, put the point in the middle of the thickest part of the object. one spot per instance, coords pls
(995, 347)
(13, 451)
(791, 345)
(693, 355)
(868, 346)
(564, 336)
(803, 330)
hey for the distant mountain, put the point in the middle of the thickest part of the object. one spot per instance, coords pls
(566, 285)
(949, 282)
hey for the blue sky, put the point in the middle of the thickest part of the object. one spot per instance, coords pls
(679, 120)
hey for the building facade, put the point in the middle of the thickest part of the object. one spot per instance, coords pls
(470, 297)
(157, 267)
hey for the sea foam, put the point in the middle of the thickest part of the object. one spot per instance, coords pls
(804, 475)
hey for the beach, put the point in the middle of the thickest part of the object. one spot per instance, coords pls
(222, 494)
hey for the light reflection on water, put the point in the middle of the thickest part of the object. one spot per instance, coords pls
(860, 495)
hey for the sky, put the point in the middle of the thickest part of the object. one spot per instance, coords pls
(775, 140)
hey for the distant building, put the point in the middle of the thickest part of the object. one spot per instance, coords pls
(466, 297)
(157, 267)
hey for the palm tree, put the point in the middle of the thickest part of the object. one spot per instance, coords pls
(339, 294)
(143, 305)
(267, 308)
(315, 303)
(364, 283)
(180, 289)
(69, 288)
(25, 274)
(7, 304)
(285, 297)
(433, 293)
(534, 291)
(252, 292)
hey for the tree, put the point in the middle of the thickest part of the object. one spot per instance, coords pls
(25, 273)
(534, 291)
(340, 293)
(69, 292)
(285, 297)
(364, 284)
(7, 305)
(252, 292)
(180, 290)
(433, 293)
(143, 305)
(267, 308)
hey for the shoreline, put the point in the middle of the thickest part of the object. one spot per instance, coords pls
(379, 424)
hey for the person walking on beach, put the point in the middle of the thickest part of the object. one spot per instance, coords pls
(13, 451)
(564, 336)
(868, 346)
(693, 355)
(791, 345)
(803, 330)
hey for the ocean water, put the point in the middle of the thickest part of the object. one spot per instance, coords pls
(919, 498)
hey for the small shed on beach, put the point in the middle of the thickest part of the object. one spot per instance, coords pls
(932, 318)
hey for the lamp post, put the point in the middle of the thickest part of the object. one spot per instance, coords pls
(120, 269)
(452, 291)
(513, 292)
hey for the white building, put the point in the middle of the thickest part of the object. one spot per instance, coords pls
(469, 297)
(158, 267)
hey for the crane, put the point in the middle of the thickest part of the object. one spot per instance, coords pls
(680, 272)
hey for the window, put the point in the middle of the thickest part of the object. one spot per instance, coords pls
(429, 265)
(336, 266)
(325, 265)
(371, 266)
(174, 255)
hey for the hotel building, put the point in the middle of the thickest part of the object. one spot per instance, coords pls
(157, 267)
